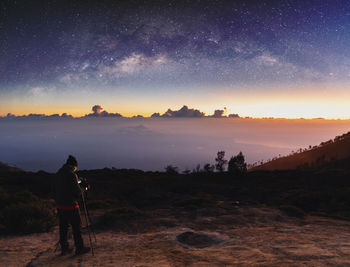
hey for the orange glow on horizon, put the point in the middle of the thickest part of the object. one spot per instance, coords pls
(321, 101)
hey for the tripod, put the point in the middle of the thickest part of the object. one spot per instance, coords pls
(88, 220)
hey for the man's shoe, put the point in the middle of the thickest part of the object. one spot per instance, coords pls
(66, 251)
(82, 251)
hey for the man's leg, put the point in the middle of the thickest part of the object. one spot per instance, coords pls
(63, 223)
(76, 226)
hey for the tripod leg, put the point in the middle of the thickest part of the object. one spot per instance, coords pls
(87, 224)
(88, 215)
(92, 229)
(56, 246)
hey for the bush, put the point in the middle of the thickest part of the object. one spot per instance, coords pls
(170, 169)
(24, 213)
(27, 218)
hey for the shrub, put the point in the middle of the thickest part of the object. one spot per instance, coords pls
(208, 168)
(24, 213)
(27, 218)
(170, 169)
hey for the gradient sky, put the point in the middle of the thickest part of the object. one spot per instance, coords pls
(257, 58)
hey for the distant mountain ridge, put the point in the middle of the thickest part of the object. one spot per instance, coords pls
(6, 168)
(332, 153)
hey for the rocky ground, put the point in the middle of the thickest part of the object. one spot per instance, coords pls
(245, 236)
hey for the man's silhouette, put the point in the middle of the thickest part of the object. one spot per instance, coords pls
(67, 193)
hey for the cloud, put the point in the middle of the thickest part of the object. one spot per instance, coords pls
(184, 112)
(135, 130)
(97, 109)
(97, 112)
(65, 115)
(137, 117)
(155, 115)
(233, 115)
(34, 116)
(218, 113)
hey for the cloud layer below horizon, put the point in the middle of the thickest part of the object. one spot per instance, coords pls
(151, 144)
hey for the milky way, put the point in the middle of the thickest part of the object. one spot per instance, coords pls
(57, 46)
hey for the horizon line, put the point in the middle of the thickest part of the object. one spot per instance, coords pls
(183, 112)
(139, 116)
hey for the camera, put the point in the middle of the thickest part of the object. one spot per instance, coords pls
(83, 183)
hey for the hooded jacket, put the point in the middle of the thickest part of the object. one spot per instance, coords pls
(66, 189)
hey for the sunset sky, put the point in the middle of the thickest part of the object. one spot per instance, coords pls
(257, 58)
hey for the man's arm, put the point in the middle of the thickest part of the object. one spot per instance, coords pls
(76, 190)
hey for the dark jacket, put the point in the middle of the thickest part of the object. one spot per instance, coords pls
(66, 189)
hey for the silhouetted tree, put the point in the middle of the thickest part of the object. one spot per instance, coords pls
(220, 161)
(237, 164)
(170, 169)
(197, 169)
(208, 167)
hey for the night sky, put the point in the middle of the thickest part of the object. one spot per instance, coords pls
(257, 58)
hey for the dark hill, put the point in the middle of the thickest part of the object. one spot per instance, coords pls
(331, 154)
(6, 168)
(124, 198)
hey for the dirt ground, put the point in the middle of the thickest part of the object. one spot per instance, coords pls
(250, 236)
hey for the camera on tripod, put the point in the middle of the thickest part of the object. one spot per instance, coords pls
(83, 183)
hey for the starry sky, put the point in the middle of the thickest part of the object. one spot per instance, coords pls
(257, 58)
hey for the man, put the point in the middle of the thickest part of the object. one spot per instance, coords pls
(67, 193)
